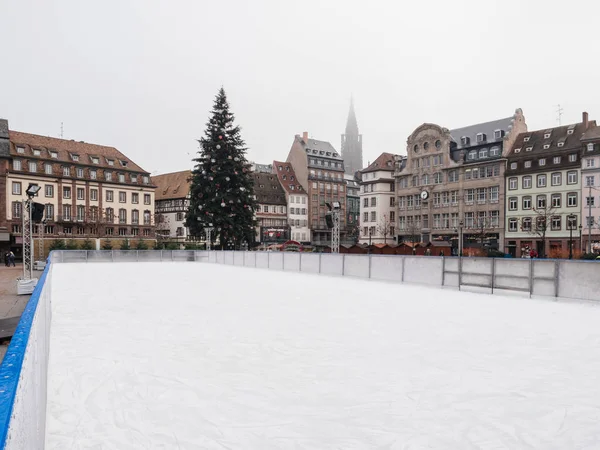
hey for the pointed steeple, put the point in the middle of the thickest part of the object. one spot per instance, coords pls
(352, 143)
(351, 123)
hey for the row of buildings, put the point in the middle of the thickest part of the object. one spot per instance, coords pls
(494, 185)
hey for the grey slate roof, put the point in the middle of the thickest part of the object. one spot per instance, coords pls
(268, 189)
(592, 133)
(322, 146)
(487, 128)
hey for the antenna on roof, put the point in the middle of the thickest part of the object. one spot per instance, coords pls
(559, 111)
(61, 130)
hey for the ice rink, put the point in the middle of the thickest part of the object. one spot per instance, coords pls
(203, 356)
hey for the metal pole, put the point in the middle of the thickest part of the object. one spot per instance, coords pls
(570, 237)
(591, 219)
(335, 232)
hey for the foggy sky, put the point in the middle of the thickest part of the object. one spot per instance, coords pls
(141, 75)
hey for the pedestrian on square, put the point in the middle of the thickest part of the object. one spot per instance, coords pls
(6, 259)
(11, 259)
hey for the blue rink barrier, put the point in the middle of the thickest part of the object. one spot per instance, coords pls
(23, 374)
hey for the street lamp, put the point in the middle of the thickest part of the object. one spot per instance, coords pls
(571, 222)
(370, 234)
(580, 238)
(460, 238)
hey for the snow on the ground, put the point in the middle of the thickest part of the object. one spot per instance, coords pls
(202, 356)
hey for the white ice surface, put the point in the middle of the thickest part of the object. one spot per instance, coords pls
(200, 356)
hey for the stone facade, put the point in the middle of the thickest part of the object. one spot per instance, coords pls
(320, 169)
(590, 177)
(171, 203)
(378, 201)
(453, 181)
(543, 191)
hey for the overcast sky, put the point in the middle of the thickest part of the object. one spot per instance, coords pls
(141, 75)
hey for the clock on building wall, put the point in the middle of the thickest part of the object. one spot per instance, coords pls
(424, 195)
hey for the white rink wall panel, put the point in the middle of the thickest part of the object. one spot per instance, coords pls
(228, 258)
(386, 268)
(262, 260)
(423, 270)
(356, 266)
(250, 260)
(512, 274)
(580, 280)
(238, 258)
(332, 264)
(220, 257)
(310, 262)
(275, 260)
(291, 261)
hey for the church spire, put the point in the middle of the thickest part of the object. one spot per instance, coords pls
(351, 123)
(352, 143)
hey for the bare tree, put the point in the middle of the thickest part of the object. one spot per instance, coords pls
(539, 224)
(384, 227)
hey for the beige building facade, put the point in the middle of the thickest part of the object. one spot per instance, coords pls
(451, 183)
(89, 191)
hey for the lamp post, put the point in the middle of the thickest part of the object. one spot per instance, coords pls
(460, 238)
(571, 221)
(208, 232)
(580, 238)
(370, 234)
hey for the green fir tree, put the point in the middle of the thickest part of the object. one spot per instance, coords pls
(221, 187)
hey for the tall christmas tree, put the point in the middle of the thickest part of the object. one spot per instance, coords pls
(221, 193)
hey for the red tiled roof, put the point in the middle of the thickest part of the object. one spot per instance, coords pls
(290, 177)
(172, 185)
(385, 161)
(66, 149)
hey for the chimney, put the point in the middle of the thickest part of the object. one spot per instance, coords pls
(305, 137)
(585, 120)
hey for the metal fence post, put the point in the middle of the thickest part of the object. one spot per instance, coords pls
(459, 271)
(403, 264)
(282, 261)
(556, 275)
(244, 259)
(530, 277)
(86, 256)
(161, 256)
(443, 270)
(137, 256)
(320, 262)
(369, 266)
(300, 262)
(268, 260)
(171, 255)
(493, 273)
(343, 264)
(112, 256)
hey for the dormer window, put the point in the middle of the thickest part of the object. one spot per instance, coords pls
(53, 154)
(287, 169)
(465, 140)
(335, 154)
(560, 144)
(124, 163)
(292, 178)
(570, 131)
(146, 179)
(121, 178)
(590, 147)
(546, 146)
(518, 150)
(134, 179)
(284, 177)
(95, 160)
(111, 162)
(498, 134)
(528, 149)
(292, 187)
(21, 150)
(280, 168)
(328, 153)
(472, 155)
(481, 137)
(526, 138)
(547, 134)
(75, 157)
(36, 152)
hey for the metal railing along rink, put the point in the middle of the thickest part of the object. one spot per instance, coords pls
(570, 279)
